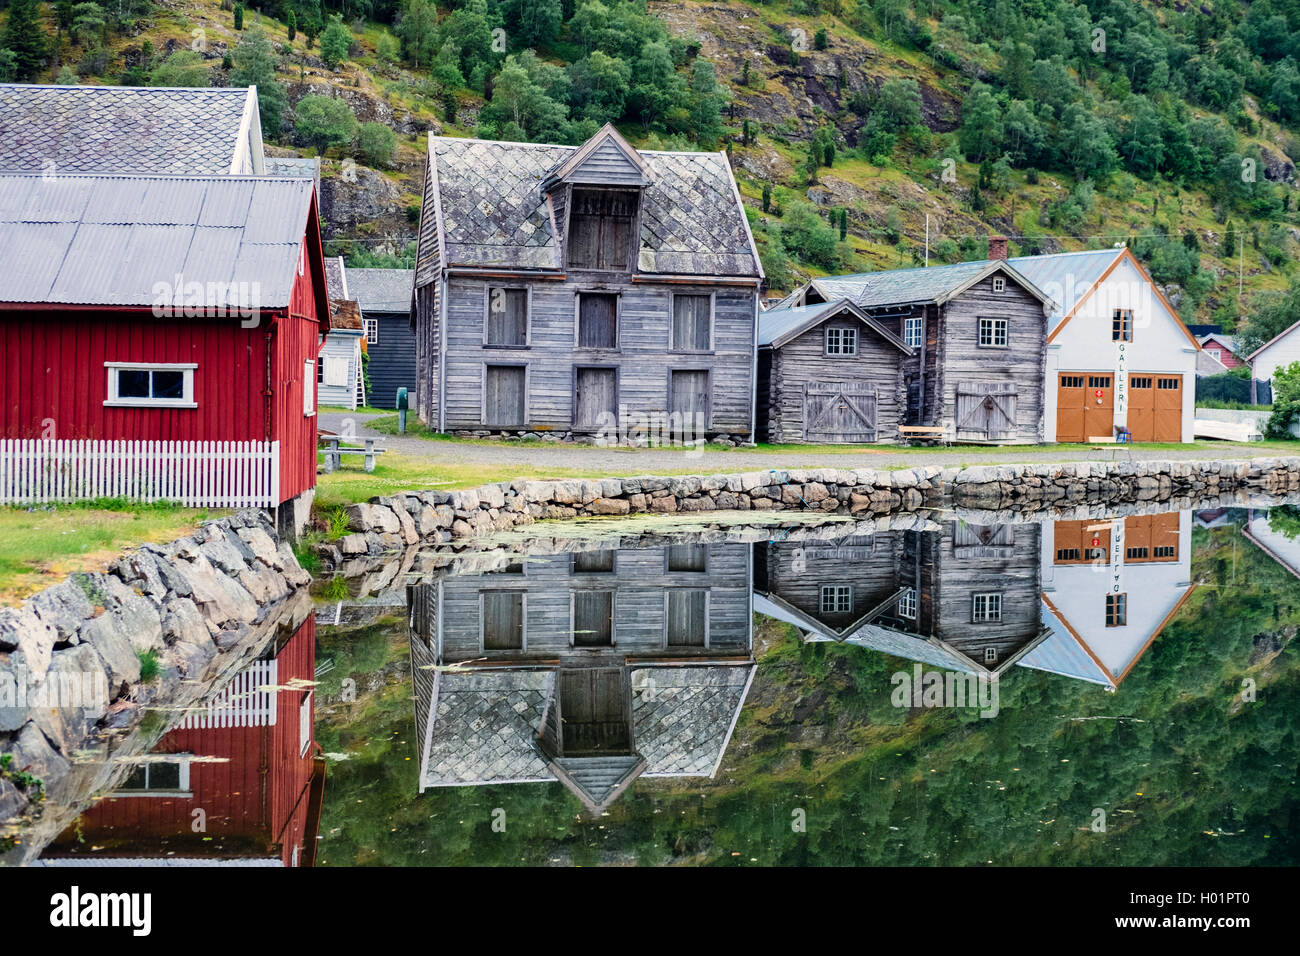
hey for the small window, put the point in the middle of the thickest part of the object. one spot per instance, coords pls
(841, 341)
(320, 373)
(837, 598)
(594, 562)
(158, 778)
(1140, 381)
(907, 604)
(1169, 384)
(1099, 381)
(507, 317)
(687, 621)
(1116, 610)
(304, 724)
(999, 284)
(597, 320)
(372, 331)
(691, 323)
(990, 655)
(1121, 325)
(308, 387)
(986, 607)
(1136, 554)
(1165, 551)
(912, 332)
(150, 385)
(688, 557)
(593, 618)
(993, 333)
(1071, 381)
(503, 620)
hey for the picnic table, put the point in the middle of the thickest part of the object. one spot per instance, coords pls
(335, 450)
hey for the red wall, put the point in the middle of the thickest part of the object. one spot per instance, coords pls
(297, 339)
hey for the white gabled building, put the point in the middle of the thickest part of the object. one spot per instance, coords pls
(1117, 355)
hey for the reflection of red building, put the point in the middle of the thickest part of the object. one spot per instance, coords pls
(239, 781)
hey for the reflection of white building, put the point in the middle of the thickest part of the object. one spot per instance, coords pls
(1110, 586)
(1117, 353)
(1285, 551)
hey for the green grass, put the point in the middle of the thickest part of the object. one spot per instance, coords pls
(44, 544)
(359, 410)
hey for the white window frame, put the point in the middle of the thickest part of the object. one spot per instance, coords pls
(836, 592)
(994, 325)
(183, 786)
(907, 604)
(847, 344)
(304, 724)
(309, 388)
(986, 607)
(912, 331)
(185, 401)
(999, 283)
(990, 655)
(372, 330)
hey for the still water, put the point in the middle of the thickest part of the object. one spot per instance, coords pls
(921, 690)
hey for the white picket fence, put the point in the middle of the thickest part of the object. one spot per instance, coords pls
(197, 474)
(247, 701)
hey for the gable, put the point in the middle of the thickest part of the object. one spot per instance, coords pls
(778, 327)
(1125, 285)
(607, 164)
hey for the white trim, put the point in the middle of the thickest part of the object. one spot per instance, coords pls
(115, 400)
(309, 388)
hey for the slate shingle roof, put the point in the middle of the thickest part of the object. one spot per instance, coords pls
(681, 729)
(494, 212)
(107, 240)
(115, 129)
(382, 290)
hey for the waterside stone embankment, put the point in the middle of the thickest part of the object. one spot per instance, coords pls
(74, 702)
(393, 523)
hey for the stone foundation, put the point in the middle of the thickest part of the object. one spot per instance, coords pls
(437, 517)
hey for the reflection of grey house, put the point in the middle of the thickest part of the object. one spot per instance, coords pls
(965, 597)
(384, 296)
(590, 668)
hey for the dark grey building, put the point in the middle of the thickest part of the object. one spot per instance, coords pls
(384, 296)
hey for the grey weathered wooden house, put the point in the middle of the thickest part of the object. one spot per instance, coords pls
(384, 296)
(557, 284)
(975, 337)
(591, 668)
(954, 595)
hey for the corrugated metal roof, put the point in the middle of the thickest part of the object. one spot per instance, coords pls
(873, 290)
(1065, 277)
(115, 129)
(775, 323)
(1062, 654)
(382, 290)
(109, 239)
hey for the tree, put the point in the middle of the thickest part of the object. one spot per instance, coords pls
(471, 28)
(981, 129)
(291, 23)
(534, 23)
(325, 121)
(376, 143)
(520, 106)
(24, 38)
(657, 90)
(418, 31)
(335, 42)
(8, 66)
(600, 86)
(767, 196)
(181, 68)
(446, 67)
(239, 16)
(253, 64)
(706, 109)
(88, 22)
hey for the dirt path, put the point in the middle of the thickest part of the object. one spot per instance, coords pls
(626, 461)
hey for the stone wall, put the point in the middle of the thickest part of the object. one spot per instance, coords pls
(437, 517)
(71, 657)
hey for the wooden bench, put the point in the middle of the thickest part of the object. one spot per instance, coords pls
(334, 452)
(911, 433)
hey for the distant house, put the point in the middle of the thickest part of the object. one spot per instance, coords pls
(564, 289)
(968, 340)
(958, 596)
(1222, 347)
(173, 324)
(247, 758)
(384, 296)
(591, 668)
(1110, 587)
(339, 373)
(57, 130)
(1118, 355)
(1277, 353)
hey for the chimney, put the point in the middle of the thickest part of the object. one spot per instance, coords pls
(997, 247)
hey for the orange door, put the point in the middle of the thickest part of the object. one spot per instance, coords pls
(1151, 538)
(1142, 407)
(1069, 407)
(1169, 408)
(1080, 542)
(1099, 419)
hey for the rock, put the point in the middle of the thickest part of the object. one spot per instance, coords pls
(353, 544)
(261, 545)
(33, 753)
(610, 506)
(22, 631)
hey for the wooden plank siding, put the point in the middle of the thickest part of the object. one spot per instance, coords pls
(642, 355)
(392, 360)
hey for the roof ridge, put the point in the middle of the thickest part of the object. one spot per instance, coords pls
(711, 153)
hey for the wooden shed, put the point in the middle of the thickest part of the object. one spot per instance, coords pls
(829, 373)
(384, 296)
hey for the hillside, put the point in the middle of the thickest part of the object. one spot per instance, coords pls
(1065, 126)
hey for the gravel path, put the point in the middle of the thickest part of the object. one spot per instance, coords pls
(627, 461)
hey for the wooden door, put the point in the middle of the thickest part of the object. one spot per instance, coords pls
(597, 320)
(1169, 408)
(687, 613)
(595, 393)
(1142, 407)
(503, 620)
(594, 712)
(839, 412)
(688, 401)
(986, 411)
(503, 395)
(1151, 538)
(593, 618)
(1099, 408)
(1071, 400)
(1081, 542)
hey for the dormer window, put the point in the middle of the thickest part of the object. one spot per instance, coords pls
(600, 229)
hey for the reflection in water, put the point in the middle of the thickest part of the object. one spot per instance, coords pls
(237, 782)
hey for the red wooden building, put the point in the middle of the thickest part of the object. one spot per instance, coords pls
(248, 761)
(159, 338)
